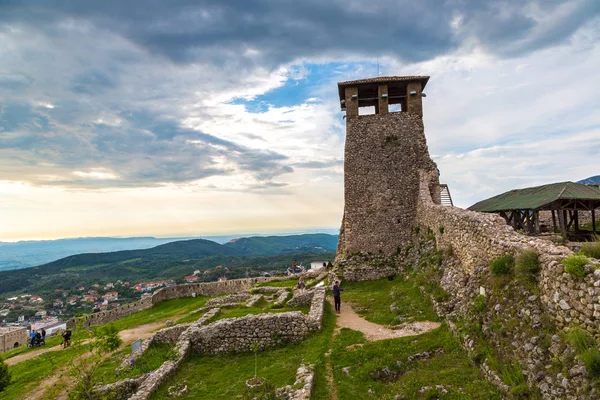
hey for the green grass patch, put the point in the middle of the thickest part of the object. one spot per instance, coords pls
(286, 283)
(503, 265)
(527, 265)
(586, 348)
(224, 376)
(575, 264)
(161, 312)
(28, 374)
(153, 358)
(592, 249)
(383, 368)
(373, 301)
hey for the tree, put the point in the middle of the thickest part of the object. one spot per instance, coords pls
(84, 369)
(4, 375)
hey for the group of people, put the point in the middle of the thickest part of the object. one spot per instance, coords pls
(37, 338)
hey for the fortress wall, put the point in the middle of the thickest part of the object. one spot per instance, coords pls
(476, 239)
(11, 336)
(471, 241)
(383, 156)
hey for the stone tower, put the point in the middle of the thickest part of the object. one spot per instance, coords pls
(384, 154)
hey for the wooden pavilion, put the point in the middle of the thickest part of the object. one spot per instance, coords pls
(521, 207)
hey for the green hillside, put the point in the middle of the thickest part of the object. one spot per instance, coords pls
(248, 256)
(315, 243)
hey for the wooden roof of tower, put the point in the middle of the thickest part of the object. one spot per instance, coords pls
(367, 88)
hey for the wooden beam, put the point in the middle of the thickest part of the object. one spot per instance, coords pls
(576, 218)
(536, 222)
(553, 221)
(593, 220)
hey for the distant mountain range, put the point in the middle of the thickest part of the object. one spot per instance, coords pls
(170, 261)
(592, 180)
(29, 253)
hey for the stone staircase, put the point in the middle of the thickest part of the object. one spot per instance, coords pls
(445, 195)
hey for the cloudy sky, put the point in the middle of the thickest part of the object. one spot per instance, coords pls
(203, 117)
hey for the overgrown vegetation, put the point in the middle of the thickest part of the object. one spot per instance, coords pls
(592, 249)
(4, 375)
(84, 370)
(575, 265)
(527, 265)
(503, 265)
(586, 348)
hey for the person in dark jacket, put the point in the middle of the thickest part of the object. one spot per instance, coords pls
(337, 300)
(329, 266)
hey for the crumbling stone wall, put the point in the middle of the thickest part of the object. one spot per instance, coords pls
(383, 156)
(528, 317)
(11, 337)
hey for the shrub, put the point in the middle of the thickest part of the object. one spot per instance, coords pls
(591, 360)
(479, 305)
(4, 375)
(527, 263)
(591, 249)
(575, 264)
(503, 265)
(579, 339)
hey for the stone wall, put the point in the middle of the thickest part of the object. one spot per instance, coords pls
(383, 156)
(240, 334)
(12, 337)
(528, 317)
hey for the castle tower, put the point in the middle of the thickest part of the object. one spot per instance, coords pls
(383, 156)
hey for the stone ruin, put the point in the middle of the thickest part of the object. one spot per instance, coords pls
(392, 201)
(232, 335)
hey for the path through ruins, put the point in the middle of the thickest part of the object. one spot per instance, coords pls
(349, 319)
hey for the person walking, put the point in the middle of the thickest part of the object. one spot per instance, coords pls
(32, 337)
(337, 300)
(43, 335)
(301, 284)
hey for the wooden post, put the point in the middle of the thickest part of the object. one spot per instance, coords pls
(382, 101)
(553, 221)
(536, 222)
(576, 218)
(593, 220)
(565, 222)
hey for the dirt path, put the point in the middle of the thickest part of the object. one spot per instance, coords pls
(60, 378)
(349, 319)
(127, 335)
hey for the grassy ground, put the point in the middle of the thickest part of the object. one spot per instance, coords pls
(224, 376)
(259, 308)
(149, 361)
(28, 374)
(290, 283)
(368, 363)
(372, 301)
(161, 312)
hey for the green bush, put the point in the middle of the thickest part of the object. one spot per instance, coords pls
(591, 249)
(528, 264)
(503, 265)
(579, 339)
(575, 264)
(591, 360)
(479, 305)
(4, 375)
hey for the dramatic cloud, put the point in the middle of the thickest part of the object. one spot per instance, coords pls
(189, 98)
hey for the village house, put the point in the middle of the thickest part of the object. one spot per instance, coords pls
(111, 296)
(92, 292)
(190, 278)
(73, 300)
(58, 303)
(196, 272)
(36, 300)
(81, 288)
(61, 292)
(222, 279)
(109, 285)
(41, 314)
